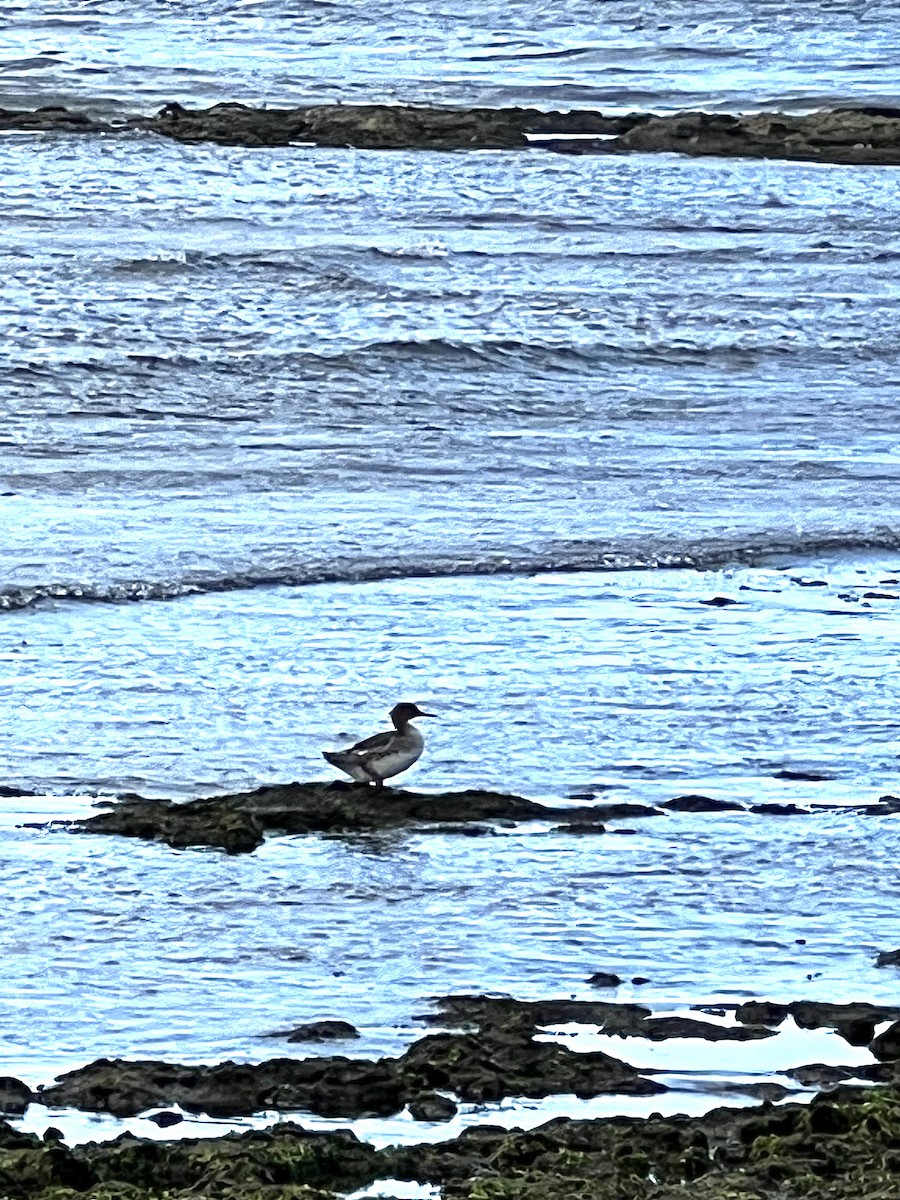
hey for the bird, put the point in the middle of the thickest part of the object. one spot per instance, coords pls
(383, 755)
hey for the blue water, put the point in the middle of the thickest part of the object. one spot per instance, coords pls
(289, 435)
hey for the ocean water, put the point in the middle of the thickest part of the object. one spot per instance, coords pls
(289, 435)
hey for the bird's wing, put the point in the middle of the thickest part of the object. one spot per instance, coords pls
(376, 742)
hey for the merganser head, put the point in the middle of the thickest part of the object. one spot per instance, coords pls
(401, 714)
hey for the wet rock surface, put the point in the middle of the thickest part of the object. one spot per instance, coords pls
(500, 1058)
(490, 1013)
(238, 823)
(844, 1144)
(318, 1031)
(867, 134)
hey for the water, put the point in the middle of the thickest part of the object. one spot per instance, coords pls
(745, 53)
(476, 430)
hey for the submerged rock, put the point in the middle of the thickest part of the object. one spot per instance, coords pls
(319, 1031)
(701, 804)
(238, 823)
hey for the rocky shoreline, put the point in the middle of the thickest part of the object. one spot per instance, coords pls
(863, 135)
(845, 1143)
(842, 1146)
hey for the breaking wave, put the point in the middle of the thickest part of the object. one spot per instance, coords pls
(572, 557)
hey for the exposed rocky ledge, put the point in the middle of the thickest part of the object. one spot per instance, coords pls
(238, 823)
(844, 135)
(498, 1059)
(841, 1146)
(487, 1051)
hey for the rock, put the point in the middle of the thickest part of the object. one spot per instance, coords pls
(498, 1015)
(779, 810)
(802, 776)
(761, 1012)
(697, 804)
(238, 823)
(165, 1119)
(865, 134)
(15, 1096)
(614, 812)
(581, 827)
(638, 980)
(816, 1014)
(827, 1118)
(501, 1058)
(887, 1045)
(9, 791)
(332, 1087)
(720, 602)
(320, 1031)
(432, 1106)
(819, 1074)
(604, 979)
(888, 958)
(660, 1029)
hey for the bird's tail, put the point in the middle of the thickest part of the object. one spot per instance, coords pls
(335, 757)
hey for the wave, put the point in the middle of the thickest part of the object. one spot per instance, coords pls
(566, 558)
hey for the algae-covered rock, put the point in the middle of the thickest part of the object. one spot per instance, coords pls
(238, 823)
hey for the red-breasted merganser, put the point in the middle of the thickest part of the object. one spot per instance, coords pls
(383, 755)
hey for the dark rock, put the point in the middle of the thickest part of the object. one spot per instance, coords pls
(660, 1029)
(498, 1015)
(720, 602)
(880, 596)
(604, 979)
(816, 1014)
(819, 1074)
(615, 812)
(238, 823)
(581, 827)
(802, 776)
(500, 1059)
(761, 1012)
(827, 1118)
(489, 1065)
(888, 958)
(333, 1087)
(887, 1045)
(640, 979)
(165, 1119)
(841, 135)
(856, 1033)
(432, 1106)
(15, 1096)
(696, 804)
(9, 791)
(779, 810)
(860, 135)
(319, 1031)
